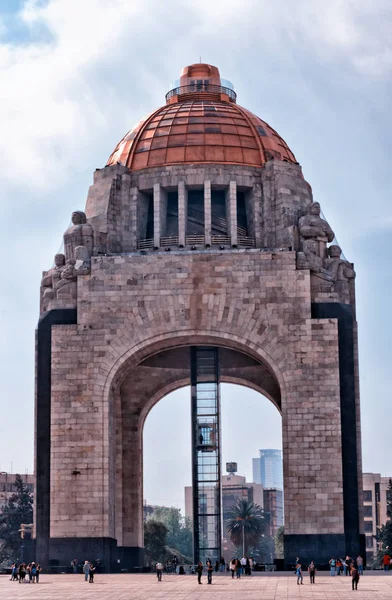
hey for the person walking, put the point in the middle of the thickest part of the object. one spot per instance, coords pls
(386, 561)
(360, 564)
(243, 565)
(91, 572)
(332, 565)
(354, 577)
(312, 571)
(238, 568)
(298, 572)
(344, 563)
(38, 572)
(159, 570)
(199, 571)
(210, 568)
(86, 569)
(233, 566)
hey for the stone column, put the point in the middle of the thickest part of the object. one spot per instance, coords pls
(182, 212)
(160, 213)
(231, 212)
(207, 212)
(253, 212)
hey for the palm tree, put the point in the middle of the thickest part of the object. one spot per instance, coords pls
(246, 524)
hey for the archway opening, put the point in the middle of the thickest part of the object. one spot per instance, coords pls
(250, 426)
(140, 383)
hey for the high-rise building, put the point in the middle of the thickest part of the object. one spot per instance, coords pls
(256, 470)
(268, 469)
(375, 497)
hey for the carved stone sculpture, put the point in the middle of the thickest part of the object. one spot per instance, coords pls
(83, 263)
(50, 279)
(339, 269)
(310, 259)
(66, 287)
(79, 234)
(313, 227)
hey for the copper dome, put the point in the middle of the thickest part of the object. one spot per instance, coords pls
(201, 123)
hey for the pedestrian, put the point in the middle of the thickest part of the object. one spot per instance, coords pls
(344, 563)
(216, 566)
(91, 572)
(159, 569)
(86, 569)
(14, 572)
(243, 565)
(251, 563)
(247, 567)
(233, 565)
(332, 565)
(210, 568)
(298, 572)
(348, 562)
(74, 565)
(339, 565)
(386, 561)
(360, 564)
(222, 564)
(199, 571)
(33, 572)
(312, 571)
(174, 563)
(238, 568)
(38, 572)
(354, 577)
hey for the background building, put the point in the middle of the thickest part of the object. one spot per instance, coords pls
(268, 468)
(375, 496)
(273, 507)
(8, 487)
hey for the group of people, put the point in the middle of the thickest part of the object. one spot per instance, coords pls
(88, 570)
(25, 573)
(339, 565)
(243, 566)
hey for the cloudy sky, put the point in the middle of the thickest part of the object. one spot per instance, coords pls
(76, 75)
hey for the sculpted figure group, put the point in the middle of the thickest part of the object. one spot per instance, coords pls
(60, 282)
(325, 264)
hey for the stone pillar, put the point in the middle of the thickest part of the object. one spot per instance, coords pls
(253, 205)
(160, 213)
(231, 212)
(207, 212)
(182, 212)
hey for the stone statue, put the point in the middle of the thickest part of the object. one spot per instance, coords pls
(339, 269)
(67, 283)
(50, 279)
(313, 227)
(79, 234)
(83, 263)
(310, 259)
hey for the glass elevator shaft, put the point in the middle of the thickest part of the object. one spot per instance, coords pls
(206, 470)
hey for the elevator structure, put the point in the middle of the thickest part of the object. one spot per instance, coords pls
(206, 454)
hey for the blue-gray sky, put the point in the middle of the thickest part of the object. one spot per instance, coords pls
(75, 76)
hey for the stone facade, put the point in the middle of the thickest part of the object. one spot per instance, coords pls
(278, 304)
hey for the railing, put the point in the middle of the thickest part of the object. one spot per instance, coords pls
(201, 88)
(220, 240)
(169, 241)
(246, 242)
(195, 240)
(145, 244)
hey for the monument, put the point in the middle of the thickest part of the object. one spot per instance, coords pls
(200, 258)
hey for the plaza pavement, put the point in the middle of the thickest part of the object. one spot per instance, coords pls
(274, 586)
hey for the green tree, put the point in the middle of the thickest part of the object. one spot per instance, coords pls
(155, 534)
(17, 510)
(245, 524)
(385, 531)
(179, 531)
(279, 544)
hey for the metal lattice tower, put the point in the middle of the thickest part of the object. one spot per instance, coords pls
(206, 470)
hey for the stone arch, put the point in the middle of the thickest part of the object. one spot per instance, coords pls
(140, 383)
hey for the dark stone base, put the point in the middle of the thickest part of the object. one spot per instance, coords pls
(130, 558)
(318, 547)
(63, 550)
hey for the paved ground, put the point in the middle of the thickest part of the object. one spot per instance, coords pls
(375, 586)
